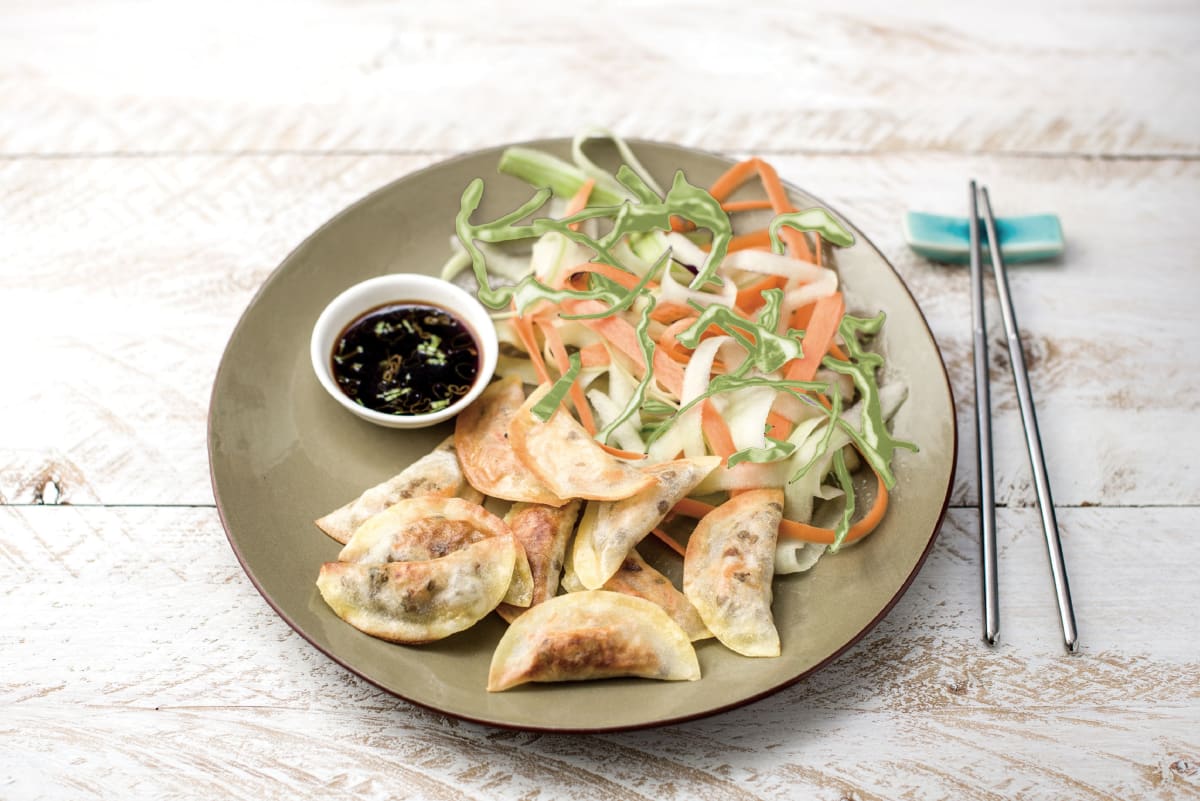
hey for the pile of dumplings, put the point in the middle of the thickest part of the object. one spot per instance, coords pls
(423, 557)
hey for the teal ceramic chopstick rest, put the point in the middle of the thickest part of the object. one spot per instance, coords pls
(1035, 237)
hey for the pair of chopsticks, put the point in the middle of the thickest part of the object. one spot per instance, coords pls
(983, 428)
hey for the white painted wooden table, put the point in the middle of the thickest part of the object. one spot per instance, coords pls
(157, 162)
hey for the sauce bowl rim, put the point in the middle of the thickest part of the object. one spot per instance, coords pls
(357, 299)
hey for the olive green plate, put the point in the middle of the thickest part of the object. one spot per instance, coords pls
(282, 453)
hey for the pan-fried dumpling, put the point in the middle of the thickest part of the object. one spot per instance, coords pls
(592, 635)
(543, 531)
(566, 458)
(638, 577)
(610, 529)
(481, 436)
(728, 569)
(520, 589)
(417, 529)
(416, 602)
(436, 473)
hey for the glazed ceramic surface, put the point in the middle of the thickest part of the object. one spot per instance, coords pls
(283, 452)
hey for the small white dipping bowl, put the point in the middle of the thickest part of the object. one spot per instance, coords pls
(402, 288)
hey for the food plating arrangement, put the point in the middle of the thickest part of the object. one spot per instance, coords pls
(707, 389)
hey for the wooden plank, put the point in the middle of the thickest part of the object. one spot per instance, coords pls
(117, 269)
(122, 323)
(866, 77)
(156, 162)
(102, 752)
(154, 670)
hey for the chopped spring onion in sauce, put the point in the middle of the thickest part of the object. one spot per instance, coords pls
(406, 358)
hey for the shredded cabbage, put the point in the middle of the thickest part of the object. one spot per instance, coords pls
(624, 257)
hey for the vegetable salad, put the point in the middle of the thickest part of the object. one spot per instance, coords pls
(665, 332)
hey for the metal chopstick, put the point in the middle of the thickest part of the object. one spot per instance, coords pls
(1033, 441)
(983, 437)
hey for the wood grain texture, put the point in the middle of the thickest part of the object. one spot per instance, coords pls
(864, 77)
(158, 160)
(123, 322)
(183, 677)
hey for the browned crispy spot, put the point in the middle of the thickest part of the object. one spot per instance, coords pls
(443, 536)
(595, 651)
(537, 527)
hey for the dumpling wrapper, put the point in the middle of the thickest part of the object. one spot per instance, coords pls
(593, 634)
(562, 454)
(417, 529)
(638, 577)
(417, 602)
(728, 569)
(543, 531)
(436, 473)
(610, 529)
(484, 450)
(521, 587)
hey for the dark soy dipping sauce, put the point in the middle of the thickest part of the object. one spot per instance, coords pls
(406, 358)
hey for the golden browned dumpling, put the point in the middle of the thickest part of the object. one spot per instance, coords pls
(436, 473)
(543, 531)
(417, 529)
(728, 569)
(416, 602)
(520, 589)
(481, 436)
(567, 460)
(593, 634)
(610, 529)
(638, 577)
